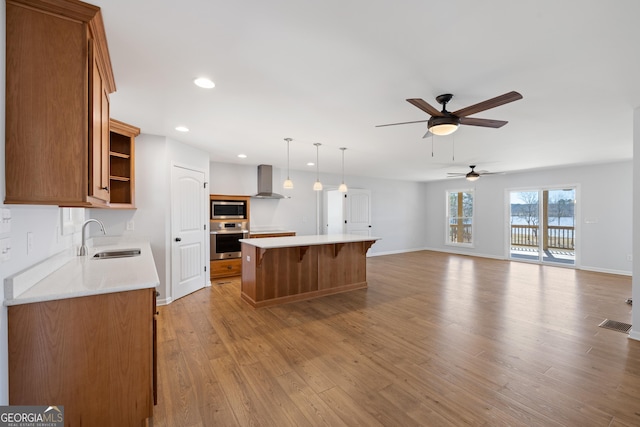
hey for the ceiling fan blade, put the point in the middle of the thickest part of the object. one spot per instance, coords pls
(487, 123)
(425, 106)
(452, 175)
(489, 103)
(402, 123)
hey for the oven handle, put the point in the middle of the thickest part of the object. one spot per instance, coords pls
(245, 232)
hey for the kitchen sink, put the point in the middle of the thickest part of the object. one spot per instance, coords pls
(117, 253)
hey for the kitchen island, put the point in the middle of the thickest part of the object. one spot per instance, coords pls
(277, 270)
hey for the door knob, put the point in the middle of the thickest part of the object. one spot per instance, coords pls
(178, 239)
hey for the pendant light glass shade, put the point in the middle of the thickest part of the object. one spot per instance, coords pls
(317, 186)
(343, 186)
(288, 184)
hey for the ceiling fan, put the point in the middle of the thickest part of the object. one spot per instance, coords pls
(445, 123)
(470, 176)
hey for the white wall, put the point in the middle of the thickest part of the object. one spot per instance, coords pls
(397, 207)
(604, 196)
(635, 315)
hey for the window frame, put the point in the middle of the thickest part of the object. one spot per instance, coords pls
(448, 217)
(71, 220)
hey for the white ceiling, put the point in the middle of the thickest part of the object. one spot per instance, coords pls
(329, 71)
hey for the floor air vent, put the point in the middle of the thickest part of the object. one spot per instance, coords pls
(615, 326)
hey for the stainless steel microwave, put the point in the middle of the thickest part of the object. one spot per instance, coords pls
(228, 209)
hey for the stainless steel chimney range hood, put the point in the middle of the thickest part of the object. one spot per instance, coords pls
(265, 184)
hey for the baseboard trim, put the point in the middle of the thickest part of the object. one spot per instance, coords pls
(164, 301)
(607, 271)
(467, 253)
(402, 251)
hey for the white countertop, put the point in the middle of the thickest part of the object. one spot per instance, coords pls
(83, 276)
(311, 240)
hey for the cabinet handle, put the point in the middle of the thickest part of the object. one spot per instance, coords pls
(178, 239)
(105, 188)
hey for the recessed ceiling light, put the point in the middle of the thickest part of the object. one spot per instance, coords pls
(182, 129)
(204, 82)
(311, 164)
(242, 156)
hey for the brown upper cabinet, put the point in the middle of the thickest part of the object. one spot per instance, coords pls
(58, 81)
(122, 164)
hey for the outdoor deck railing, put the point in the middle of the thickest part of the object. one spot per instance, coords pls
(466, 233)
(558, 236)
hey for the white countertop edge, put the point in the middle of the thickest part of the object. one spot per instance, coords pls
(77, 294)
(309, 240)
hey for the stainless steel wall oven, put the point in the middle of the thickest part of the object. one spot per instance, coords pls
(225, 238)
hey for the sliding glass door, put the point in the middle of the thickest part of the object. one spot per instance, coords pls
(542, 225)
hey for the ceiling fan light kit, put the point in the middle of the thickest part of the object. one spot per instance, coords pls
(443, 125)
(472, 176)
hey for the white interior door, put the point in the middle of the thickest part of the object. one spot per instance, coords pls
(334, 212)
(358, 212)
(188, 232)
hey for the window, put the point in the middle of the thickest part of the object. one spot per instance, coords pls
(71, 220)
(460, 218)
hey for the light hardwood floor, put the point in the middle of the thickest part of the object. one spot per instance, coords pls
(436, 340)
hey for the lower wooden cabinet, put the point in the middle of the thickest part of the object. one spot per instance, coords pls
(226, 268)
(93, 355)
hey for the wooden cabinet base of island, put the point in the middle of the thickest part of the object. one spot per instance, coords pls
(280, 275)
(93, 355)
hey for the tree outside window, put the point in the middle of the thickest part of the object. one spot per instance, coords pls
(460, 217)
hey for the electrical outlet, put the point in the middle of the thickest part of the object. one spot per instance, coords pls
(130, 225)
(629, 257)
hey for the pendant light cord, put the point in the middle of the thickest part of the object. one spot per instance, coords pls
(343, 164)
(288, 141)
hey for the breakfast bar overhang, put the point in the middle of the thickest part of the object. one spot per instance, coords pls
(277, 270)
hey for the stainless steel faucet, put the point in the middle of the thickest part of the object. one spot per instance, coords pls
(83, 249)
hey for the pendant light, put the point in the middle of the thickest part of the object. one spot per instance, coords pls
(343, 186)
(317, 186)
(288, 184)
